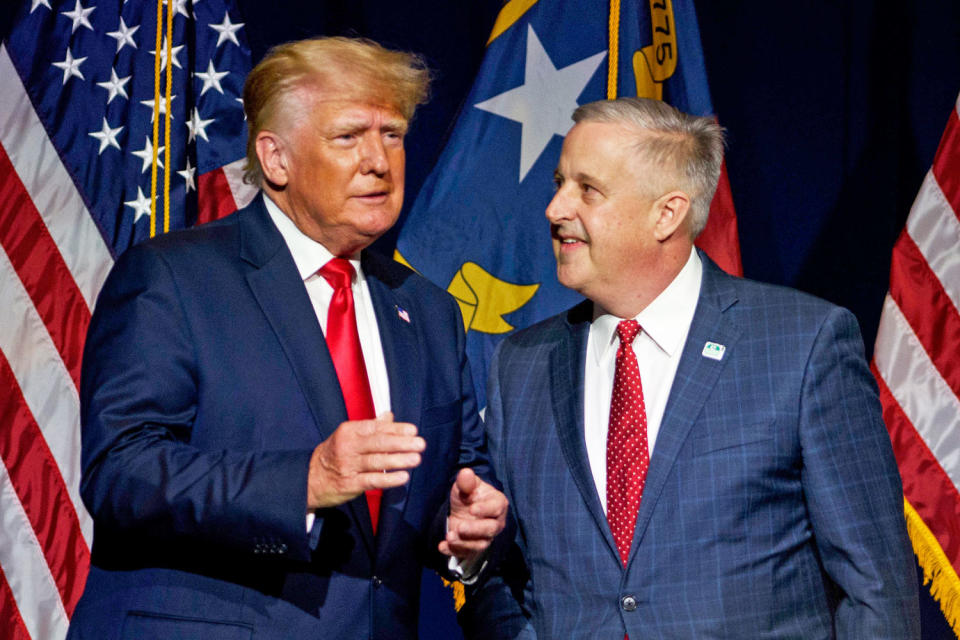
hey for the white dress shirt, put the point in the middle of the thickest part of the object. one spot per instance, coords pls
(664, 324)
(309, 256)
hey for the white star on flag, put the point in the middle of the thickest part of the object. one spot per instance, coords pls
(179, 6)
(36, 3)
(163, 106)
(107, 136)
(544, 102)
(79, 15)
(188, 175)
(141, 206)
(227, 30)
(124, 35)
(115, 86)
(146, 154)
(163, 55)
(197, 126)
(70, 66)
(211, 78)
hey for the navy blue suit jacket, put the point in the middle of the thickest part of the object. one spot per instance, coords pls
(206, 385)
(772, 506)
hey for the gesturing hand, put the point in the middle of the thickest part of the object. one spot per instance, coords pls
(362, 455)
(478, 512)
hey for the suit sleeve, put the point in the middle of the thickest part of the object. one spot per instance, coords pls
(473, 453)
(495, 607)
(853, 489)
(142, 480)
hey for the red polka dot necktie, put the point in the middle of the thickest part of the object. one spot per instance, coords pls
(343, 341)
(627, 451)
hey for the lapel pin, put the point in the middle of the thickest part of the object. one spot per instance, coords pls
(713, 351)
(402, 314)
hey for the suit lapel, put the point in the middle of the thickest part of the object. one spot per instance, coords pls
(567, 362)
(398, 339)
(695, 378)
(278, 288)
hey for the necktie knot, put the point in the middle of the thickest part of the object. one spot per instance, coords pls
(627, 330)
(338, 272)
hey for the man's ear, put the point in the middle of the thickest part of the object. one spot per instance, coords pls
(672, 210)
(272, 153)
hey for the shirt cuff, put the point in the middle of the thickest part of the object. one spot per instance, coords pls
(467, 572)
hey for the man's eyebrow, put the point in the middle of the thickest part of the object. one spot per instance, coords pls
(396, 125)
(580, 176)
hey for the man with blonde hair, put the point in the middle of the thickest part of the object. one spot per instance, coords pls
(687, 454)
(279, 427)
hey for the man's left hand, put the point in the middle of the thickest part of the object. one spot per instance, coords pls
(478, 512)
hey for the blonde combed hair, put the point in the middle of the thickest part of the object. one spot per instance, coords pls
(354, 68)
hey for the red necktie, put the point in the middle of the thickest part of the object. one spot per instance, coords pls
(627, 450)
(343, 341)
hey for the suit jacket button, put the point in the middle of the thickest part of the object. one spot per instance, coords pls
(629, 603)
(376, 582)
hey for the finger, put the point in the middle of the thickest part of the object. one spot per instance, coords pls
(493, 507)
(394, 428)
(462, 549)
(467, 483)
(475, 530)
(366, 428)
(389, 462)
(383, 480)
(384, 443)
(467, 480)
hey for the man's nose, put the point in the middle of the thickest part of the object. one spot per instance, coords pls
(560, 207)
(373, 157)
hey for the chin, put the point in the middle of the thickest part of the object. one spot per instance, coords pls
(568, 280)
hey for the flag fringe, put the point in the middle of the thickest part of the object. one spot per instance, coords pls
(938, 572)
(459, 594)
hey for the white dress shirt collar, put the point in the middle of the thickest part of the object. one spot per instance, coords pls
(666, 319)
(308, 254)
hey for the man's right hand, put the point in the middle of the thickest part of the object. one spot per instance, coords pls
(362, 455)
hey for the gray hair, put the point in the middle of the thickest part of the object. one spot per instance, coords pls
(689, 147)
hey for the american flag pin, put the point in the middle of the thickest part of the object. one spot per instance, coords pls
(713, 351)
(402, 313)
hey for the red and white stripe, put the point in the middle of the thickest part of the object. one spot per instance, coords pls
(916, 356)
(52, 264)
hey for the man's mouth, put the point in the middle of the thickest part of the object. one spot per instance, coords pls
(566, 240)
(374, 196)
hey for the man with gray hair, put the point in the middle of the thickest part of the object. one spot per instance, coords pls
(279, 427)
(687, 454)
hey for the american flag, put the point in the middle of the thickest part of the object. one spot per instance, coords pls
(917, 367)
(82, 85)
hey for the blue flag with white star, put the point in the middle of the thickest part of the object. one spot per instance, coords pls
(477, 227)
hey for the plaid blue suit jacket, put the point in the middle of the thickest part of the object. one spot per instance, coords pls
(772, 507)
